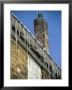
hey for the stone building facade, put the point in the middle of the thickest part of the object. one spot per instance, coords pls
(28, 56)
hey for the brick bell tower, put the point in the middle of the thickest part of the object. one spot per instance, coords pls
(41, 31)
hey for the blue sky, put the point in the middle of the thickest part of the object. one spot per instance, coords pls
(53, 19)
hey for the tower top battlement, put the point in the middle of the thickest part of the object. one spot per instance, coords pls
(40, 15)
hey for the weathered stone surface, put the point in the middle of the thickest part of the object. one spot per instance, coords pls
(45, 74)
(20, 65)
(34, 69)
(18, 61)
